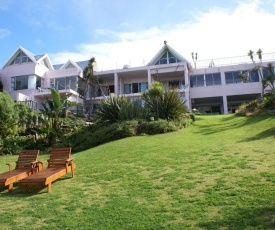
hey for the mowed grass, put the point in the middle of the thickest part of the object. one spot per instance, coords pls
(216, 174)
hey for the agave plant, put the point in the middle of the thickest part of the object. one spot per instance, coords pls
(118, 108)
(164, 103)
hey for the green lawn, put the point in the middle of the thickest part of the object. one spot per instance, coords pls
(216, 174)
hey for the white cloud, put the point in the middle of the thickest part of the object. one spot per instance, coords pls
(217, 33)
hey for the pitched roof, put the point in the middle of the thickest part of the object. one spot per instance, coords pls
(34, 58)
(167, 49)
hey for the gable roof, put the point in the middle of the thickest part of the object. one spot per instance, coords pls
(34, 58)
(44, 60)
(17, 52)
(167, 49)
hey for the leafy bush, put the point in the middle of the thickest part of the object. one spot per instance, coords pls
(269, 101)
(156, 127)
(97, 134)
(118, 108)
(8, 115)
(165, 104)
(14, 144)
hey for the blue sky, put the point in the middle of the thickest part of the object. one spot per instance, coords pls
(131, 32)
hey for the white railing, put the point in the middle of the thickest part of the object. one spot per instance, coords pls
(216, 62)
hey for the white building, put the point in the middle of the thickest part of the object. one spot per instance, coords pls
(214, 88)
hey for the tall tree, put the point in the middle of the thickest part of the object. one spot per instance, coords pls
(88, 84)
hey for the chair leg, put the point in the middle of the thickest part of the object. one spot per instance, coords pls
(10, 187)
(72, 169)
(49, 187)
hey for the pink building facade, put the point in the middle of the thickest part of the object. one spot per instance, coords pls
(213, 89)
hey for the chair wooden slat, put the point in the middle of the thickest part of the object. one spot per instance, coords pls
(24, 168)
(59, 164)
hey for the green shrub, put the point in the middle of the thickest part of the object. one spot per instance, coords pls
(156, 127)
(118, 108)
(97, 134)
(269, 101)
(14, 144)
(165, 104)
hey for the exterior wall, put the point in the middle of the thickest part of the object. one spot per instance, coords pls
(241, 91)
(15, 70)
(222, 98)
(35, 96)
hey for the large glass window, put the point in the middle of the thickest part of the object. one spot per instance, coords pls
(254, 76)
(213, 79)
(62, 83)
(232, 77)
(197, 81)
(135, 87)
(26, 82)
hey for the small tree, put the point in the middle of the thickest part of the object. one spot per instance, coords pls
(8, 115)
(24, 114)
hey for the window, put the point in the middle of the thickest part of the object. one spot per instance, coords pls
(232, 77)
(26, 82)
(197, 81)
(167, 58)
(213, 79)
(20, 58)
(254, 76)
(135, 87)
(127, 88)
(62, 83)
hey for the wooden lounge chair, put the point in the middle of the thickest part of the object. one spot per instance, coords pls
(25, 166)
(59, 164)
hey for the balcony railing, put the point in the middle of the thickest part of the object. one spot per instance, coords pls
(216, 62)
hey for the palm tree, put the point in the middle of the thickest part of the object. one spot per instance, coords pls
(257, 68)
(54, 108)
(87, 83)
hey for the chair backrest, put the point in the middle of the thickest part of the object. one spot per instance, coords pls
(58, 157)
(25, 158)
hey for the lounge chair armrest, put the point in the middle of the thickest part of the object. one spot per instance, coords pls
(40, 165)
(70, 159)
(9, 165)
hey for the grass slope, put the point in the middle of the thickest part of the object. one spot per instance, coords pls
(216, 174)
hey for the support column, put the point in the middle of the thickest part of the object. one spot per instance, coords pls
(116, 84)
(225, 106)
(187, 88)
(149, 77)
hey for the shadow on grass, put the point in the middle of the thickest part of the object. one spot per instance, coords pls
(19, 191)
(245, 218)
(233, 122)
(265, 134)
